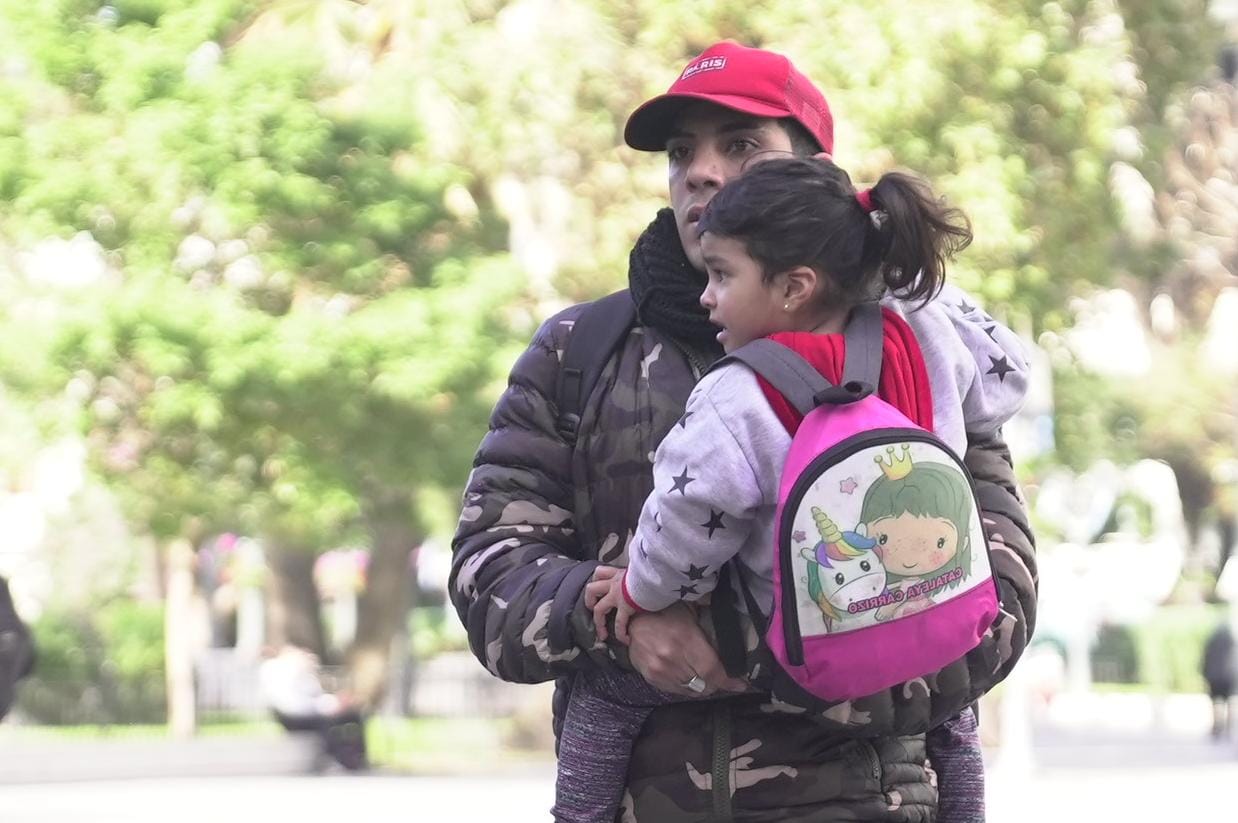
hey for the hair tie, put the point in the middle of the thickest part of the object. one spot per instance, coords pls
(865, 198)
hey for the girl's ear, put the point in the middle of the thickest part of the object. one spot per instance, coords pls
(800, 285)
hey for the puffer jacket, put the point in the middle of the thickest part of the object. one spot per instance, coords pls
(538, 516)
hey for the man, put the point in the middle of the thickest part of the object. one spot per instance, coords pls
(16, 649)
(1220, 670)
(540, 512)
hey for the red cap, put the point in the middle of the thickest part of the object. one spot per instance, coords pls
(753, 81)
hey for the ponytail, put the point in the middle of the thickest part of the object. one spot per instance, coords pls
(911, 234)
(805, 211)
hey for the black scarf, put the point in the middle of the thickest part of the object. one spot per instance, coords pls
(665, 286)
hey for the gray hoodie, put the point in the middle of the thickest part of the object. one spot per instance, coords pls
(717, 473)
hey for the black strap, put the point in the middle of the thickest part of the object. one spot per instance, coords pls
(862, 365)
(725, 614)
(606, 322)
(803, 386)
(731, 646)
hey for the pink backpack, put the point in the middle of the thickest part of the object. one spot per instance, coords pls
(881, 565)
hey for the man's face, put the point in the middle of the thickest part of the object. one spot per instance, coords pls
(709, 146)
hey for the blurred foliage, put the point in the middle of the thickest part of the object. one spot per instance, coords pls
(1114, 657)
(104, 666)
(432, 631)
(1179, 412)
(1011, 107)
(302, 311)
(1165, 652)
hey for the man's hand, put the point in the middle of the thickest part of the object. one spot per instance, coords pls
(668, 649)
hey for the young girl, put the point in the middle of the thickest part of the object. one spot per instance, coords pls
(790, 248)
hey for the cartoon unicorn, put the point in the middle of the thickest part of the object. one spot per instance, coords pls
(842, 569)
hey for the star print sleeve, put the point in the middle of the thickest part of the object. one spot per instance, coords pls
(699, 515)
(978, 368)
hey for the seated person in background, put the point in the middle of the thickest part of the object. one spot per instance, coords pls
(290, 684)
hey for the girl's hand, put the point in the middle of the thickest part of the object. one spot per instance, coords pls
(606, 572)
(606, 596)
(600, 596)
(597, 590)
(624, 612)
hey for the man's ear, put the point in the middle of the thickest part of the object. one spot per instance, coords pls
(800, 285)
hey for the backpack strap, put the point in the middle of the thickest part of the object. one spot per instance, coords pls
(862, 366)
(606, 322)
(803, 386)
(732, 649)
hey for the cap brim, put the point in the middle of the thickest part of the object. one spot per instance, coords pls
(649, 127)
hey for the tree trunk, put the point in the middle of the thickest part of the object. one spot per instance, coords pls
(383, 607)
(178, 643)
(293, 607)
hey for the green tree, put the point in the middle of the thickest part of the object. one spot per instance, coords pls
(303, 316)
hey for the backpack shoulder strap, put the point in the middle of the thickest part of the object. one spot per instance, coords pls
(799, 381)
(789, 373)
(862, 367)
(606, 322)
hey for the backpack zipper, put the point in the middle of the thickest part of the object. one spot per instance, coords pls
(720, 796)
(792, 635)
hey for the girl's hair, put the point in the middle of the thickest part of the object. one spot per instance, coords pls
(799, 211)
(928, 490)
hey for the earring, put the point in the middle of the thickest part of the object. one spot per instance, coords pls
(786, 307)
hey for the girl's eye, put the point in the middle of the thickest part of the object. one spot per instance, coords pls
(941, 542)
(864, 564)
(677, 152)
(882, 540)
(838, 578)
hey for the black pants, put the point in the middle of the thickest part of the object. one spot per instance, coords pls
(1220, 692)
(342, 735)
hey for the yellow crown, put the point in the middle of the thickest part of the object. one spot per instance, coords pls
(899, 465)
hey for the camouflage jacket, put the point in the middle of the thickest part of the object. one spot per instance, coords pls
(539, 515)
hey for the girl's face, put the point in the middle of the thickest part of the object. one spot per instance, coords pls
(914, 546)
(737, 297)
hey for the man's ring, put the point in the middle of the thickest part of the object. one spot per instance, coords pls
(696, 684)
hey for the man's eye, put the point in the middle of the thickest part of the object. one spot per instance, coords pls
(744, 144)
(677, 152)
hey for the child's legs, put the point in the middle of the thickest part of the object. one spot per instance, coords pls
(604, 716)
(954, 749)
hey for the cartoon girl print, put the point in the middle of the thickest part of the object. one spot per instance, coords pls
(842, 569)
(919, 516)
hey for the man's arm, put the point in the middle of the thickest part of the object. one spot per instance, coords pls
(517, 566)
